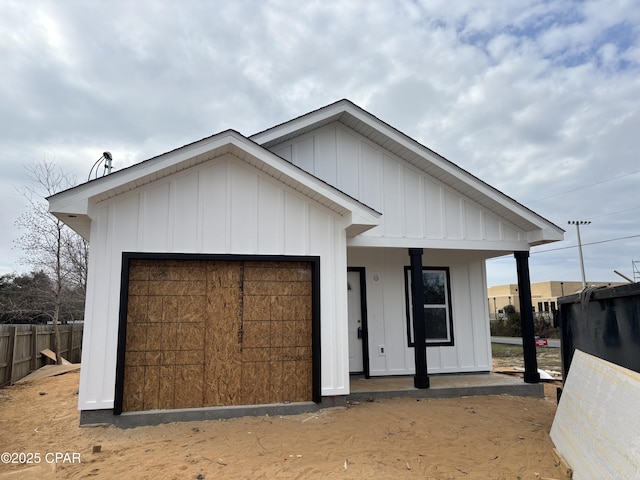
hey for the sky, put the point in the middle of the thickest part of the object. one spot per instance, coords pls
(540, 99)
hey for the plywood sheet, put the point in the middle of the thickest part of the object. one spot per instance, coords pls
(597, 425)
(217, 333)
(49, 371)
(50, 354)
(164, 340)
(133, 399)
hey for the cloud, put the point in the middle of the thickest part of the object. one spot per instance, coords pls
(536, 98)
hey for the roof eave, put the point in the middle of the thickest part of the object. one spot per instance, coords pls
(72, 205)
(544, 236)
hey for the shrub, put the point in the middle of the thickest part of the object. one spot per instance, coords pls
(510, 326)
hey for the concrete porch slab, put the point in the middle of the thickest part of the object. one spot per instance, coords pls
(362, 389)
(442, 386)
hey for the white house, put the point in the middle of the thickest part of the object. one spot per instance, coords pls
(239, 271)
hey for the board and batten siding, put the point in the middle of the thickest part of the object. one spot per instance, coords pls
(223, 206)
(414, 204)
(386, 313)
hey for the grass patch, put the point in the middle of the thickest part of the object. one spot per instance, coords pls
(501, 350)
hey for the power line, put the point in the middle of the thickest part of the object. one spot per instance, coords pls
(585, 244)
(585, 186)
(613, 213)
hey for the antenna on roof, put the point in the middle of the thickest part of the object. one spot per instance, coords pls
(107, 158)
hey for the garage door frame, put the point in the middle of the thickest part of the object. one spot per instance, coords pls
(127, 257)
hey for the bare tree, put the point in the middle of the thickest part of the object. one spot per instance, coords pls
(49, 245)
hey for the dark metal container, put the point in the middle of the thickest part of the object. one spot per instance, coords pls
(604, 322)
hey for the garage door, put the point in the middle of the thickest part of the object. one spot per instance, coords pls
(202, 333)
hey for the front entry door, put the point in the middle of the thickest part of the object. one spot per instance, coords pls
(356, 325)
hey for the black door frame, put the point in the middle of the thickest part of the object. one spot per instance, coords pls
(363, 313)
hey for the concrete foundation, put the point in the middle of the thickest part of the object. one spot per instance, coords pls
(92, 418)
(362, 389)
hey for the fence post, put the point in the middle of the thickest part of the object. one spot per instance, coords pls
(12, 351)
(80, 344)
(34, 347)
(70, 343)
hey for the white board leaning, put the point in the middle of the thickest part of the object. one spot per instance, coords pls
(597, 425)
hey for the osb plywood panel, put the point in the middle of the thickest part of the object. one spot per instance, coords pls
(217, 333)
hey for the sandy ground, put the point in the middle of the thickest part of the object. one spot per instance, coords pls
(494, 437)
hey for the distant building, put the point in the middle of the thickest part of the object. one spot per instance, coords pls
(544, 296)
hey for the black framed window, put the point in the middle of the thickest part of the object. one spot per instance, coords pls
(436, 289)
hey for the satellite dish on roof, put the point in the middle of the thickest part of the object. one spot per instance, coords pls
(107, 158)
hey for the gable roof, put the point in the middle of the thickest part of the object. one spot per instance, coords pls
(540, 230)
(72, 205)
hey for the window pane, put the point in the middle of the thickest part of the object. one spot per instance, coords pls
(433, 288)
(436, 323)
(436, 299)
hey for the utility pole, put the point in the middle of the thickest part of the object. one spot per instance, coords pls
(577, 223)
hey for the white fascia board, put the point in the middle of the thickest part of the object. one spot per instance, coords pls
(73, 205)
(359, 223)
(447, 167)
(355, 223)
(301, 122)
(457, 172)
(468, 245)
(366, 118)
(542, 236)
(133, 174)
(75, 201)
(73, 212)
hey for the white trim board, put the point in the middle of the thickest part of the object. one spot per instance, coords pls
(597, 425)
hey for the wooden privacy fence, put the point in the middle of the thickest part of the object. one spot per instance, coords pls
(20, 347)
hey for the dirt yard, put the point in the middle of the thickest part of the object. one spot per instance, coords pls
(511, 356)
(497, 437)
